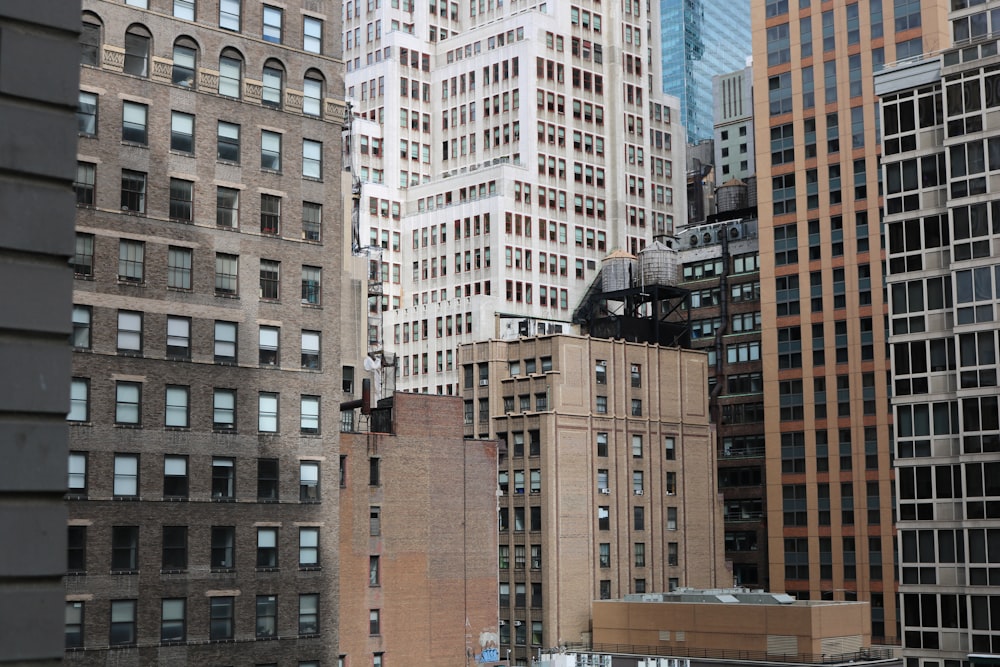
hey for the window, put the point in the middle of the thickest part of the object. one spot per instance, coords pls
(77, 474)
(124, 548)
(312, 96)
(601, 372)
(267, 480)
(671, 518)
(223, 547)
(374, 521)
(309, 415)
(173, 624)
(133, 197)
(221, 614)
(602, 405)
(273, 81)
(268, 338)
(312, 216)
(267, 412)
(126, 475)
(131, 255)
(270, 274)
(174, 556)
(223, 479)
(604, 554)
(83, 258)
(272, 24)
(122, 628)
(227, 207)
(185, 60)
(267, 616)
(178, 337)
(175, 477)
(310, 350)
(181, 135)
(129, 331)
(228, 145)
(134, 123)
(309, 481)
(267, 547)
(177, 406)
(270, 215)
(178, 271)
(311, 285)
(230, 74)
(229, 14)
(308, 547)
(84, 185)
(312, 159)
(312, 35)
(374, 479)
(127, 403)
(270, 150)
(90, 43)
(81, 328)
(86, 114)
(225, 342)
(308, 614)
(136, 52)
(602, 444)
(374, 622)
(74, 624)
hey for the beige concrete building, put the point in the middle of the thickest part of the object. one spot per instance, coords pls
(418, 574)
(606, 478)
(827, 417)
(712, 622)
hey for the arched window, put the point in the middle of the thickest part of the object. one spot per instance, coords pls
(137, 48)
(312, 94)
(274, 76)
(90, 40)
(185, 63)
(230, 73)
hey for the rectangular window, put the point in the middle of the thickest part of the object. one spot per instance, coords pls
(173, 623)
(270, 276)
(309, 415)
(228, 142)
(267, 412)
(175, 477)
(124, 548)
(374, 625)
(267, 480)
(310, 350)
(272, 24)
(312, 35)
(223, 548)
(221, 610)
(77, 474)
(177, 411)
(181, 132)
(223, 479)
(229, 14)
(84, 185)
(270, 150)
(127, 403)
(311, 285)
(181, 200)
(270, 215)
(227, 207)
(131, 261)
(312, 216)
(267, 548)
(133, 191)
(174, 556)
(184, 9)
(225, 342)
(267, 616)
(309, 481)
(308, 614)
(308, 547)
(83, 258)
(312, 159)
(86, 113)
(82, 316)
(135, 123)
(178, 337)
(122, 627)
(136, 53)
(268, 340)
(126, 480)
(179, 267)
(79, 400)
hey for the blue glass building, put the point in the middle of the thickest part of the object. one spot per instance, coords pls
(701, 38)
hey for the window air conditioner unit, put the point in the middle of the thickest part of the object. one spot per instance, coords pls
(606, 492)
(483, 383)
(671, 493)
(638, 492)
(517, 624)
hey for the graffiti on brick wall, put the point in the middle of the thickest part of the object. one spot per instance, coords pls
(489, 647)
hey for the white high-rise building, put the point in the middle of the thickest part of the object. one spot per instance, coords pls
(504, 149)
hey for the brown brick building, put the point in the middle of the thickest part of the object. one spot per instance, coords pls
(418, 539)
(607, 477)
(203, 430)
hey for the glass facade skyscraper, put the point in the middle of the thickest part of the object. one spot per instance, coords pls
(701, 38)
